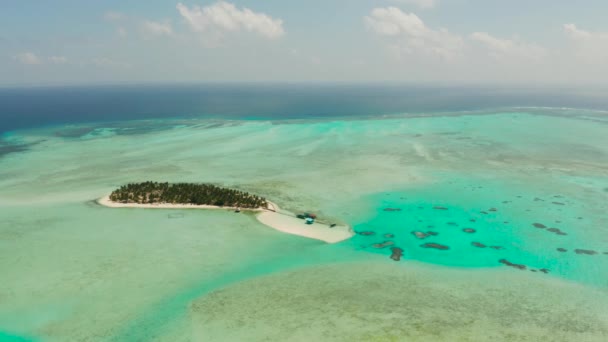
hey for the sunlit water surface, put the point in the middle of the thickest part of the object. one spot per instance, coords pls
(481, 184)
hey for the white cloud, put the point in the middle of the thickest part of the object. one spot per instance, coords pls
(58, 60)
(121, 32)
(104, 62)
(424, 4)
(27, 58)
(577, 34)
(30, 58)
(226, 17)
(414, 36)
(592, 47)
(114, 16)
(117, 18)
(156, 28)
(508, 48)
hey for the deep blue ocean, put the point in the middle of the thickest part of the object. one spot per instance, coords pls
(41, 106)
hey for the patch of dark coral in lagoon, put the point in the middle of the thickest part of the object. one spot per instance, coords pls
(435, 246)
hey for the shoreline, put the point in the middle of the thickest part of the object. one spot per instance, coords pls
(276, 218)
(106, 202)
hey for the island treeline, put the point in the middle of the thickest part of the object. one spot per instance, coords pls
(186, 193)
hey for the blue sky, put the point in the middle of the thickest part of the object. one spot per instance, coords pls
(412, 41)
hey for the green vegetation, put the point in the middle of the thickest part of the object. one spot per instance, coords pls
(186, 193)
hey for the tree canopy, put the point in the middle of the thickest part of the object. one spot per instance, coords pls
(186, 193)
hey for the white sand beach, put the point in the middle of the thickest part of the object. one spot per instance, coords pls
(292, 225)
(275, 218)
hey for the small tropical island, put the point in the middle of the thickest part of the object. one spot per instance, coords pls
(159, 195)
(186, 193)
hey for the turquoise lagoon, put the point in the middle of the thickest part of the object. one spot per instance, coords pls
(73, 270)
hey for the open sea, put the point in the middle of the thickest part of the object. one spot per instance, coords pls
(498, 198)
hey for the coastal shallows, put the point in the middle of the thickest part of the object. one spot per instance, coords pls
(154, 195)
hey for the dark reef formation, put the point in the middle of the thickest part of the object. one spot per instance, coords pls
(522, 267)
(383, 244)
(423, 235)
(397, 253)
(510, 264)
(469, 230)
(556, 231)
(585, 251)
(435, 245)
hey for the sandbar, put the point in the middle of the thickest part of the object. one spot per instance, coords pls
(292, 225)
(274, 217)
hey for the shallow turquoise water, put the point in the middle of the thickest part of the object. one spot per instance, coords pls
(134, 274)
(502, 214)
(6, 337)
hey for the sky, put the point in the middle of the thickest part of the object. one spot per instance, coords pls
(559, 42)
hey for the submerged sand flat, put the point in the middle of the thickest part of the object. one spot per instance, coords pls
(377, 301)
(74, 270)
(83, 272)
